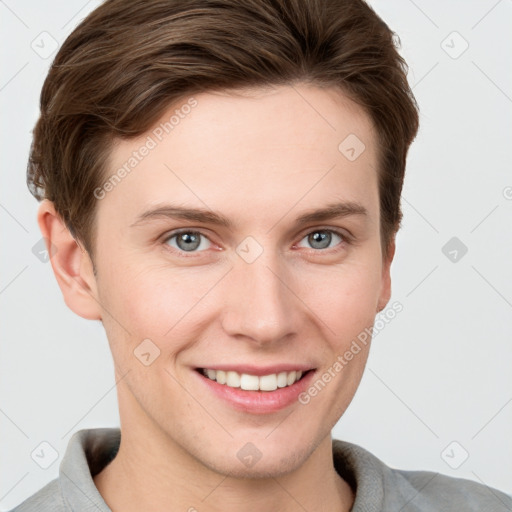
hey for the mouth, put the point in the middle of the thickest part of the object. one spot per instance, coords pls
(249, 382)
(256, 390)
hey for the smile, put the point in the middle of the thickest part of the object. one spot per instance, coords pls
(248, 382)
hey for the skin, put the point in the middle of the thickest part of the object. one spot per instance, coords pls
(261, 158)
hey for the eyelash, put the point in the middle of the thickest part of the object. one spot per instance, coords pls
(345, 240)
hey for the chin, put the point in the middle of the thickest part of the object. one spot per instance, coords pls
(251, 462)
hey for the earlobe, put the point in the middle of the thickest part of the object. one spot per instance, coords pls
(71, 264)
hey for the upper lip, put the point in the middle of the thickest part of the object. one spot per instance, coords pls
(259, 370)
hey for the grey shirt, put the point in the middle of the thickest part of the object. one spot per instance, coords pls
(377, 487)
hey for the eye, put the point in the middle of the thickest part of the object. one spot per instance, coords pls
(322, 238)
(187, 241)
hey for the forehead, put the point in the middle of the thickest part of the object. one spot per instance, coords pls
(248, 150)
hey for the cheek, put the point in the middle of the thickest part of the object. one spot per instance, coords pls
(345, 298)
(347, 310)
(152, 302)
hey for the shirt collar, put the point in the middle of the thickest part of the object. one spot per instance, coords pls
(88, 452)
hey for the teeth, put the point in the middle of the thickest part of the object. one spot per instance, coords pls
(291, 378)
(233, 379)
(253, 382)
(249, 382)
(282, 380)
(268, 382)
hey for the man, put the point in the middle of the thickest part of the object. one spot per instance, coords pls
(221, 188)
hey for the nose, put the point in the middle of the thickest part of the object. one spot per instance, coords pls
(261, 304)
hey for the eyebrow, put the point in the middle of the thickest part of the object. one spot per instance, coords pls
(204, 216)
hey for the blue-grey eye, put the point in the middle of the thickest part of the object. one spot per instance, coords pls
(187, 241)
(321, 238)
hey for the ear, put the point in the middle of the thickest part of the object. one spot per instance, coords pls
(385, 293)
(71, 264)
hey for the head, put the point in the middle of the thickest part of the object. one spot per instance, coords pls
(258, 113)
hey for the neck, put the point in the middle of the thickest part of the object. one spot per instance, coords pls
(159, 480)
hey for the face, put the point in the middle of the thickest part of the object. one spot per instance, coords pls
(252, 289)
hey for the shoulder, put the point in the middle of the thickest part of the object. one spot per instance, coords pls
(48, 498)
(428, 491)
(380, 487)
(88, 451)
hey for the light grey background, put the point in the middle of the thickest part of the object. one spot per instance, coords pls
(439, 372)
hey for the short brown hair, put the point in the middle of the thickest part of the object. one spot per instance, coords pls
(128, 61)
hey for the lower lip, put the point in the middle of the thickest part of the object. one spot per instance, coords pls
(258, 402)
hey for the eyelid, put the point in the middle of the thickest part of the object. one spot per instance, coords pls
(169, 234)
(179, 231)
